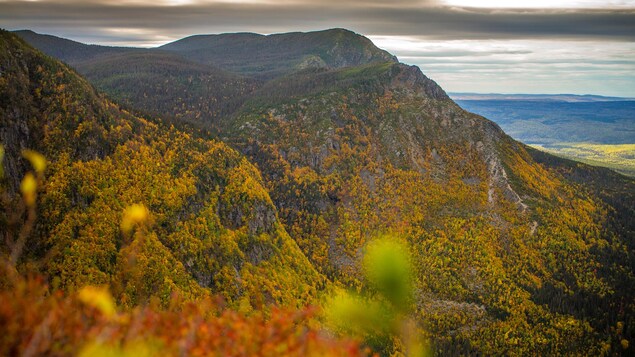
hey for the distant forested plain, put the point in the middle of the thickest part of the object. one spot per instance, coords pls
(595, 132)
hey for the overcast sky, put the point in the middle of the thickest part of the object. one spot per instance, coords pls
(503, 46)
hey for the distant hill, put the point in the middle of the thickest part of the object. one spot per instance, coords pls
(570, 98)
(594, 129)
(273, 55)
(71, 52)
(166, 84)
(155, 81)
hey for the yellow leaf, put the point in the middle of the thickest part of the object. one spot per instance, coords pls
(29, 189)
(37, 160)
(138, 348)
(1, 161)
(98, 298)
(134, 215)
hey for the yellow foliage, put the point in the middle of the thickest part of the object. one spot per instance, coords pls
(139, 348)
(99, 298)
(37, 160)
(1, 161)
(29, 189)
(134, 215)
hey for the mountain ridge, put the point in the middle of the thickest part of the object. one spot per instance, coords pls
(574, 98)
(297, 49)
(68, 50)
(153, 94)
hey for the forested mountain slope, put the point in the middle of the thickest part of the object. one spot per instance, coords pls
(168, 85)
(513, 253)
(499, 242)
(189, 80)
(71, 52)
(213, 227)
(152, 80)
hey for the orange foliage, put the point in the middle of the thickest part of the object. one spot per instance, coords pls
(35, 321)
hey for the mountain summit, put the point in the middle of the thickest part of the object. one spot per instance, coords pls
(274, 55)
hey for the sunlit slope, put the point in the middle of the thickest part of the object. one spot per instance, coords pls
(499, 242)
(211, 226)
(619, 157)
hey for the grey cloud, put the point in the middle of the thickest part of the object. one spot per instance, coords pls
(510, 66)
(446, 24)
(454, 53)
(409, 18)
(457, 69)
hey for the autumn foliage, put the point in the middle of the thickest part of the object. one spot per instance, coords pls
(38, 321)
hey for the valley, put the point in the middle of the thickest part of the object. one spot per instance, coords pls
(592, 129)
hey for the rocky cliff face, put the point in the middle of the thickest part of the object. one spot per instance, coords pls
(411, 78)
(403, 119)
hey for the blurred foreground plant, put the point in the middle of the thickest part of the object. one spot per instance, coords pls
(380, 314)
(18, 217)
(134, 215)
(36, 321)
